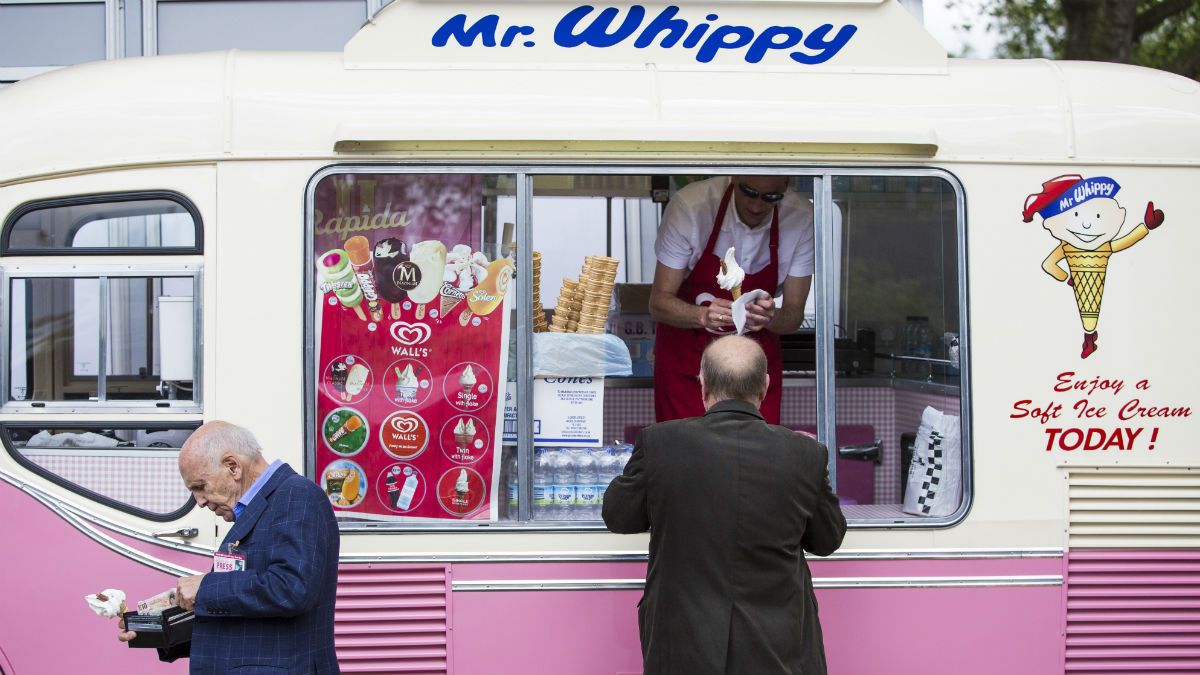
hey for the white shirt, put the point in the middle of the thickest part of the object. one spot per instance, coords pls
(688, 222)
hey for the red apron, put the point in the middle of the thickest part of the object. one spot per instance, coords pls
(677, 350)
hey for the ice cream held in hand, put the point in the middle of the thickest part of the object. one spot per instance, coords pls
(108, 603)
(731, 275)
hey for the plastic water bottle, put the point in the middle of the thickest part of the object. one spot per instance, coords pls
(624, 452)
(543, 487)
(514, 487)
(607, 469)
(587, 484)
(562, 479)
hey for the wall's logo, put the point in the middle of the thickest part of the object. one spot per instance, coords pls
(410, 333)
(666, 30)
(1085, 218)
(405, 425)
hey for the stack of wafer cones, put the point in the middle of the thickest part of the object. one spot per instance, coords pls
(539, 314)
(583, 305)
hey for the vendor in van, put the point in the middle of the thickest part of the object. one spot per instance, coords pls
(770, 230)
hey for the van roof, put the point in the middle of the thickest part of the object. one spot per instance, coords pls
(262, 105)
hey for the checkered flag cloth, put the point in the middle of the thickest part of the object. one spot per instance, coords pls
(934, 483)
(933, 473)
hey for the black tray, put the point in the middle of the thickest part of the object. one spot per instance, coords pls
(172, 627)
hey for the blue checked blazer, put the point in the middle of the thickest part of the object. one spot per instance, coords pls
(275, 617)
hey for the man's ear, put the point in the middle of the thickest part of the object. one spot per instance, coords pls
(230, 463)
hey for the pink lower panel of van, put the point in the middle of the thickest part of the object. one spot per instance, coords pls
(1006, 630)
(49, 566)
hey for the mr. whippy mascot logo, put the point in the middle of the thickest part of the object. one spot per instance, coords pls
(1083, 214)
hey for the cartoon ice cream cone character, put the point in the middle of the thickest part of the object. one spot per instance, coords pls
(464, 433)
(338, 277)
(731, 275)
(1083, 214)
(430, 258)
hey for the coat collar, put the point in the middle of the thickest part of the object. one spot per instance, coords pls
(734, 406)
(256, 507)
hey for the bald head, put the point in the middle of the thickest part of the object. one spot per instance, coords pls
(218, 463)
(216, 438)
(733, 367)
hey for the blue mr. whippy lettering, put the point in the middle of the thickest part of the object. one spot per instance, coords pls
(667, 29)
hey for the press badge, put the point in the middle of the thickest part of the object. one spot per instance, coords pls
(232, 559)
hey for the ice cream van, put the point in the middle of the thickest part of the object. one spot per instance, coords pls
(417, 270)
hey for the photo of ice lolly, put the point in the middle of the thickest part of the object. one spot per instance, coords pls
(339, 277)
(356, 379)
(337, 378)
(389, 253)
(430, 258)
(358, 249)
(487, 296)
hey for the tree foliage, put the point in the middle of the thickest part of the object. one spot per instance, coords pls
(1163, 34)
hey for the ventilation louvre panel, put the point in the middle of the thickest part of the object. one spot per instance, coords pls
(392, 619)
(1133, 572)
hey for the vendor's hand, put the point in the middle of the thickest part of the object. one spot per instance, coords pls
(186, 590)
(124, 635)
(717, 315)
(759, 313)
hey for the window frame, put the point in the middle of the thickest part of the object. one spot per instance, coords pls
(104, 198)
(103, 273)
(10, 447)
(825, 288)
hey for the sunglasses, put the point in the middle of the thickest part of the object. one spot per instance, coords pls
(768, 197)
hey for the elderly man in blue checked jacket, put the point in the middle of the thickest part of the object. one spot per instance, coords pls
(273, 613)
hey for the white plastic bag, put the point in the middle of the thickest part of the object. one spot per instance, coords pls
(935, 474)
(575, 355)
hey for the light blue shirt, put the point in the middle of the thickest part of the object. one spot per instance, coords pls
(255, 488)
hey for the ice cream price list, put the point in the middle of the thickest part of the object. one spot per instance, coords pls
(412, 342)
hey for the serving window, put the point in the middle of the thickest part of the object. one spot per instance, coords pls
(567, 356)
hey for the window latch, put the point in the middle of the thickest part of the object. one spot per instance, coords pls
(182, 533)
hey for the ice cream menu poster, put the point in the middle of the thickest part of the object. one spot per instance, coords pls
(411, 332)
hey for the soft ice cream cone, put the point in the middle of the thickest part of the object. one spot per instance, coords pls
(464, 440)
(737, 292)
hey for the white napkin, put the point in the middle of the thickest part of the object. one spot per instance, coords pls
(739, 308)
